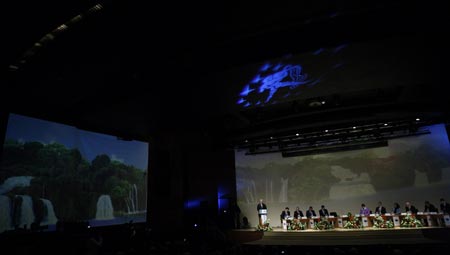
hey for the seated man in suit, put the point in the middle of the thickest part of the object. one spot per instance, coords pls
(285, 213)
(310, 212)
(409, 208)
(429, 207)
(445, 207)
(380, 210)
(298, 213)
(323, 212)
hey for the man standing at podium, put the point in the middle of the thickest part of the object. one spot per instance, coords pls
(261, 216)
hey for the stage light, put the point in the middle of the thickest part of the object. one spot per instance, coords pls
(195, 225)
(354, 127)
(417, 119)
(326, 130)
(323, 102)
(385, 124)
(297, 134)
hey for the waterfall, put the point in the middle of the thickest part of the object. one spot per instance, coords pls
(132, 200)
(5, 214)
(104, 208)
(50, 218)
(283, 198)
(254, 191)
(26, 211)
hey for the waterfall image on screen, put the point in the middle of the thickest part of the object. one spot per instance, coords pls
(51, 172)
(414, 169)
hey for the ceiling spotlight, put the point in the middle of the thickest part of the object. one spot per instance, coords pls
(354, 127)
(271, 137)
(385, 124)
(246, 141)
(297, 134)
(417, 119)
(326, 130)
(323, 102)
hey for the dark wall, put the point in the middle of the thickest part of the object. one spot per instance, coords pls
(188, 178)
(165, 197)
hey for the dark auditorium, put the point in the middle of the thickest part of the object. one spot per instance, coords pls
(221, 127)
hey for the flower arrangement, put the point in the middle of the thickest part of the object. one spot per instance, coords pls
(352, 222)
(323, 224)
(264, 227)
(410, 222)
(296, 224)
(379, 222)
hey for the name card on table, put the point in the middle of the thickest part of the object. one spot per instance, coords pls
(262, 211)
(356, 215)
(331, 217)
(314, 217)
(365, 221)
(344, 216)
(434, 213)
(447, 220)
(372, 214)
(387, 214)
(340, 223)
(304, 218)
(311, 223)
(419, 213)
(403, 214)
(396, 220)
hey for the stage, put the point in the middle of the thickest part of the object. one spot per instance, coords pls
(344, 237)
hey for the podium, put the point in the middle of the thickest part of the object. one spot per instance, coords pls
(263, 216)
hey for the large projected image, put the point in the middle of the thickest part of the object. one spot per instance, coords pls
(415, 169)
(52, 172)
(276, 81)
(332, 70)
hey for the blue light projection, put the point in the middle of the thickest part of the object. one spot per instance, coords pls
(277, 82)
(280, 76)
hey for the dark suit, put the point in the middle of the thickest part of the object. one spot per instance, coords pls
(284, 214)
(261, 206)
(298, 214)
(310, 213)
(380, 210)
(323, 212)
(445, 207)
(430, 208)
(412, 209)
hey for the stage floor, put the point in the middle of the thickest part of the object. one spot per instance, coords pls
(367, 236)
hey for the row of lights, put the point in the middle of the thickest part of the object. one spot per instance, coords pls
(326, 130)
